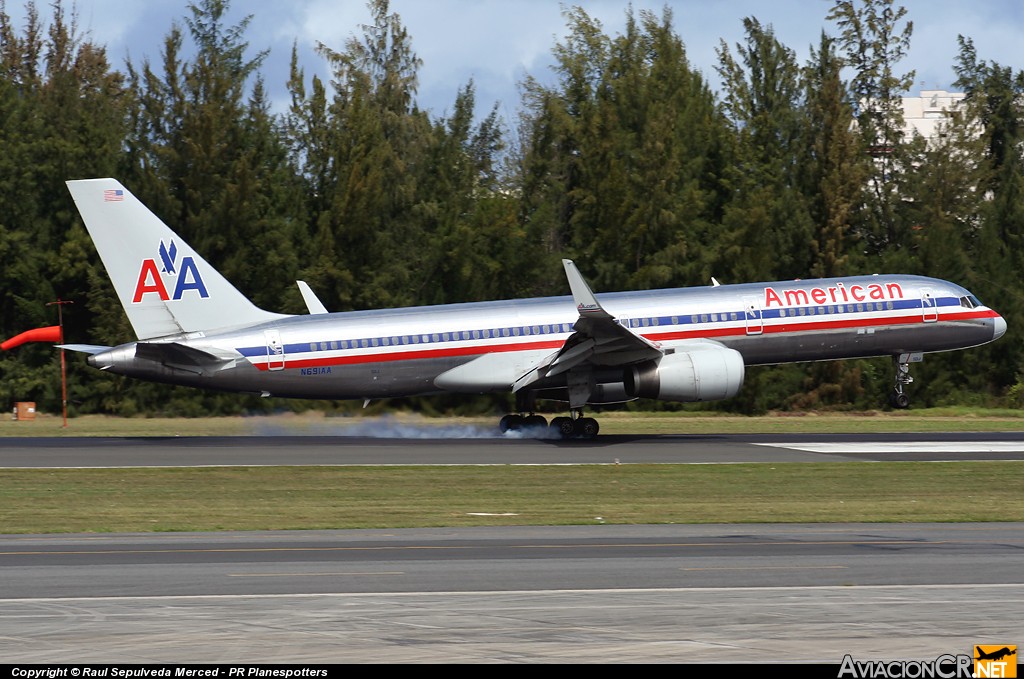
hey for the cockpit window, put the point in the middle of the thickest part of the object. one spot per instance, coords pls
(970, 302)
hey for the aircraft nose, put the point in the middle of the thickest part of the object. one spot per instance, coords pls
(998, 327)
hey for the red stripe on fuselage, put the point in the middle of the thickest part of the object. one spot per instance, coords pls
(413, 355)
(733, 331)
(803, 325)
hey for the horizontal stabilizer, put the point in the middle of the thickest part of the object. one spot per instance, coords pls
(90, 349)
(180, 356)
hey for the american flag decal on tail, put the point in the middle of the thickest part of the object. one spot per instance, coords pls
(113, 195)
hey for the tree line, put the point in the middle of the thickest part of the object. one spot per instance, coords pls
(625, 161)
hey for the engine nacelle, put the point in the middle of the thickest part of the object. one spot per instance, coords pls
(705, 373)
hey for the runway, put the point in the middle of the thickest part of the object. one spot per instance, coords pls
(202, 451)
(582, 594)
(587, 594)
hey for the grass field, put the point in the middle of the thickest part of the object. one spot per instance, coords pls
(244, 498)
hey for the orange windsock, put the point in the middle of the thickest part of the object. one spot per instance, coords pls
(48, 334)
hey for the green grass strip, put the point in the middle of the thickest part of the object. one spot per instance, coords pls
(259, 498)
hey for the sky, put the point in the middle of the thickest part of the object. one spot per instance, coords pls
(497, 43)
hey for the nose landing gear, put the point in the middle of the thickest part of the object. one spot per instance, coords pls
(897, 397)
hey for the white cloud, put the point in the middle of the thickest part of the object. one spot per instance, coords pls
(497, 42)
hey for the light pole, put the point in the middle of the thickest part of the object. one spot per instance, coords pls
(63, 374)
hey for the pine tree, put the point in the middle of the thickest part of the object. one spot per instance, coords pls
(834, 169)
(767, 223)
(625, 156)
(207, 158)
(875, 39)
(61, 117)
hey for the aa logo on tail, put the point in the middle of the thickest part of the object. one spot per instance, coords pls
(181, 276)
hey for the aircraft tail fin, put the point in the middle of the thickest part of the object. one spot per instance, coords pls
(166, 288)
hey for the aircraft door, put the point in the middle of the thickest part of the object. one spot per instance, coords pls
(275, 349)
(752, 314)
(929, 306)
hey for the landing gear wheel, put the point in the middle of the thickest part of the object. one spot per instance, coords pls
(510, 423)
(587, 427)
(565, 427)
(897, 397)
(535, 422)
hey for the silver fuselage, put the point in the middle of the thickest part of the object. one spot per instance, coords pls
(400, 352)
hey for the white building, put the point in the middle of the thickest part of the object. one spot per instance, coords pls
(925, 114)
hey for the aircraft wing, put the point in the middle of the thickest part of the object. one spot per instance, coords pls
(599, 339)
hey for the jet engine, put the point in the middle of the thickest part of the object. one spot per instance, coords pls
(708, 373)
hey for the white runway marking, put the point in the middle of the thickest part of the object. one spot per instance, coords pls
(904, 447)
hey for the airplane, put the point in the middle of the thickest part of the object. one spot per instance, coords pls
(994, 655)
(195, 328)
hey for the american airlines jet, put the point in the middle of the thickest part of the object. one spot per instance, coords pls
(194, 328)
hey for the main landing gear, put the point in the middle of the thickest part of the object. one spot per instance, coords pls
(574, 427)
(897, 397)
